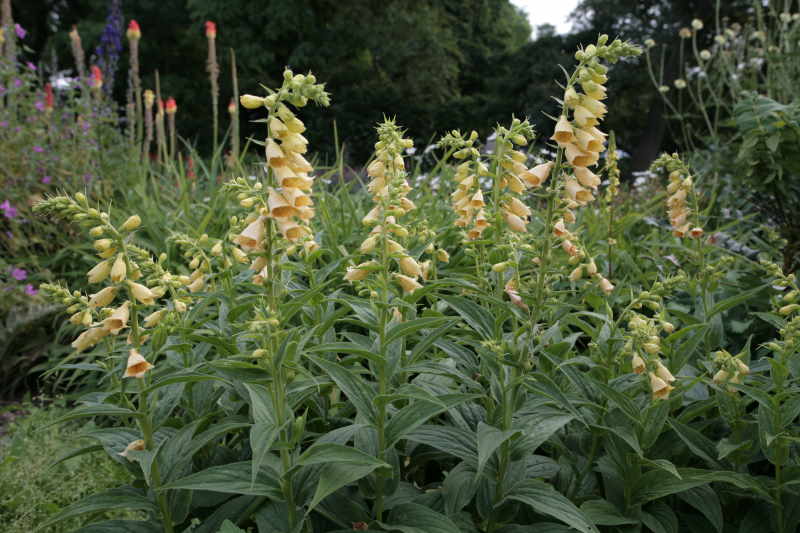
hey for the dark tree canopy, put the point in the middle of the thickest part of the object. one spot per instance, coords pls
(434, 64)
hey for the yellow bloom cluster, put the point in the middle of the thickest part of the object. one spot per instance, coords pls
(679, 189)
(578, 136)
(467, 199)
(121, 267)
(514, 175)
(388, 187)
(644, 346)
(290, 203)
(731, 369)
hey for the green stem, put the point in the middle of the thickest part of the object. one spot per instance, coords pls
(146, 426)
(778, 496)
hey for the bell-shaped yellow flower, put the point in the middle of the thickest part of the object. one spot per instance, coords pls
(137, 365)
(118, 319)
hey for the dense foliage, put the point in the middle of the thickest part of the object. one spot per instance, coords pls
(479, 336)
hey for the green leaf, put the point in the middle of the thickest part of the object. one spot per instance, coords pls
(117, 526)
(415, 518)
(418, 413)
(699, 444)
(733, 301)
(95, 410)
(261, 404)
(458, 488)
(664, 464)
(659, 518)
(334, 476)
(404, 329)
(544, 499)
(474, 315)
(357, 391)
(705, 500)
(230, 527)
(75, 453)
(603, 513)
(773, 141)
(455, 441)
(348, 348)
(489, 439)
(182, 378)
(262, 435)
(233, 478)
(125, 498)
(656, 484)
(329, 452)
(232, 509)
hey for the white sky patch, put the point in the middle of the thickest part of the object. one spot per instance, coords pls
(553, 12)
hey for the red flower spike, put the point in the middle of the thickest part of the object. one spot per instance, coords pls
(134, 32)
(211, 30)
(171, 106)
(96, 80)
(49, 98)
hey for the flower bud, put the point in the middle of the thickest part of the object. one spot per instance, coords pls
(251, 102)
(132, 223)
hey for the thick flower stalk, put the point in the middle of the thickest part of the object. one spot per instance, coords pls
(233, 111)
(212, 67)
(7, 24)
(134, 34)
(388, 187)
(149, 100)
(161, 134)
(171, 108)
(77, 52)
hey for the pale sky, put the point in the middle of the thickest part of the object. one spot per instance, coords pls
(554, 12)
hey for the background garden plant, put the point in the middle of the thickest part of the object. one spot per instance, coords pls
(509, 339)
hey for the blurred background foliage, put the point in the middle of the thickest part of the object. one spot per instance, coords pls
(435, 64)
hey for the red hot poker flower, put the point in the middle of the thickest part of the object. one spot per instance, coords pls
(211, 30)
(96, 80)
(134, 32)
(171, 106)
(49, 99)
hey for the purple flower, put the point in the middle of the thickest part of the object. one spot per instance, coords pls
(39, 105)
(87, 178)
(2, 90)
(4, 124)
(30, 290)
(47, 180)
(9, 210)
(17, 83)
(21, 33)
(19, 274)
(38, 149)
(30, 65)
